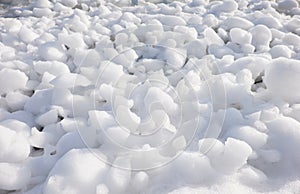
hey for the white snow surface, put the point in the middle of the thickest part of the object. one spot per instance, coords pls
(149, 96)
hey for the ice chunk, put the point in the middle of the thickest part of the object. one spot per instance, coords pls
(47, 118)
(102, 189)
(7, 53)
(172, 21)
(27, 35)
(250, 63)
(190, 32)
(107, 69)
(248, 48)
(73, 41)
(235, 155)
(78, 171)
(11, 80)
(212, 37)
(280, 51)
(62, 97)
(39, 102)
(225, 6)
(292, 39)
(261, 37)
(69, 3)
(131, 17)
(240, 36)
(210, 147)
(269, 114)
(270, 156)
(251, 176)
(174, 58)
(250, 135)
(40, 139)
(13, 176)
(52, 51)
(268, 21)
(196, 48)
(14, 147)
(70, 80)
(127, 119)
(22, 116)
(219, 51)
(118, 179)
(156, 95)
(287, 4)
(237, 22)
(126, 58)
(282, 78)
(87, 58)
(16, 100)
(117, 135)
(53, 67)
(101, 119)
(69, 124)
(179, 143)
(18, 126)
(41, 12)
(188, 166)
(293, 25)
(140, 181)
(43, 4)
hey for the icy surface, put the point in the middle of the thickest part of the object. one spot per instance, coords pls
(149, 96)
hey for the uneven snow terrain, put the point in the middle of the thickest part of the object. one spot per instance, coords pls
(149, 96)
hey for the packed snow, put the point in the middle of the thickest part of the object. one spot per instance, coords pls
(149, 96)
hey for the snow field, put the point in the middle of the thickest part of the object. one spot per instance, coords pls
(178, 97)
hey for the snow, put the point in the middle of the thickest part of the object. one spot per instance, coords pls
(287, 4)
(212, 37)
(240, 36)
(13, 176)
(261, 37)
(225, 6)
(280, 51)
(17, 80)
(149, 96)
(281, 78)
(237, 22)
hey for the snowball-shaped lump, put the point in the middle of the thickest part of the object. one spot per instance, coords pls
(69, 3)
(52, 51)
(261, 37)
(47, 118)
(78, 171)
(140, 180)
(250, 135)
(188, 166)
(212, 37)
(27, 35)
(11, 80)
(282, 79)
(197, 48)
(237, 22)
(16, 100)
(53, 67)
(280, 51)
(233, 157)
(13, 146)
(226, 6)
(240, 36)
(13, 176)
(287, 4)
